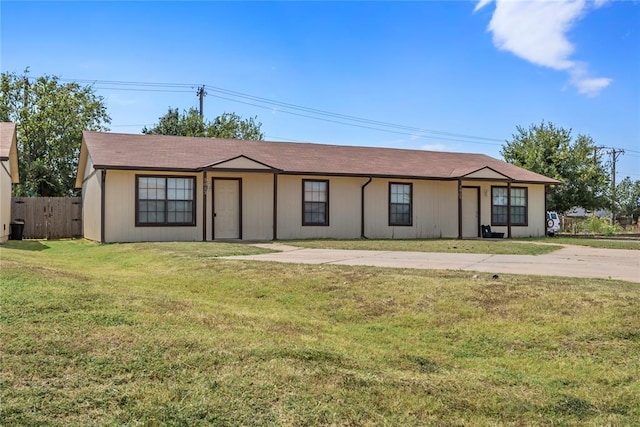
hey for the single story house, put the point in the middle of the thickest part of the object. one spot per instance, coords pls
(168, 188)
(8, 175)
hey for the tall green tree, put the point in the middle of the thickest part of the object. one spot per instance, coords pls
(189, 123)
(50, 117)
(551, 151)
(628, 199)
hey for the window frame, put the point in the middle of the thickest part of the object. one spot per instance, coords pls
(509, 206)
(166, 200)
(401, 224)
(324, 223)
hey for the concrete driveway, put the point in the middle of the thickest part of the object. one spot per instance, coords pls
(570, 261)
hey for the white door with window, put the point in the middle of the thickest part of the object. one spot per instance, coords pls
(227, 208)
(470, 211)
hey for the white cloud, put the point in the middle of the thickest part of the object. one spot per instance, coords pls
(536, 30)
(590, 86)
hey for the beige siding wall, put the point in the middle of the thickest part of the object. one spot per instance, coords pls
(435, 207)
(91, 193)
(434, 210)
(536, 209)
(344, 209)
(257, 208)
(120, 211)
(5, 201)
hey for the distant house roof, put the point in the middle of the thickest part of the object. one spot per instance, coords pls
(9, 148)
(158, 152)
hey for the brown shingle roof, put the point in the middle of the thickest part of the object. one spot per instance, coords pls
(157, 152)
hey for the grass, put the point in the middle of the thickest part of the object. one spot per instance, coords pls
(633, 244)
(498, 247)
(169, 334)
(525, 246)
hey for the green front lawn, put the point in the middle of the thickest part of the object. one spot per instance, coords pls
(170, 334)
(497, 247)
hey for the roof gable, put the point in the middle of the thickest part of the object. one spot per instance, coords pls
(240, 162)
(485, 173)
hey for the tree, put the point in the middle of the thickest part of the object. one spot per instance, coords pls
(550, 151)
(50, 117)
(628, 199)
(189, 123)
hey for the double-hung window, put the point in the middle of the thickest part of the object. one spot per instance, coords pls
(500, 205)
(315, 202)
(400, 203)
(165, 200)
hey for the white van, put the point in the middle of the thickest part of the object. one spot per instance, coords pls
(553, 223)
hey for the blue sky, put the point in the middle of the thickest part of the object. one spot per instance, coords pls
(453, 75)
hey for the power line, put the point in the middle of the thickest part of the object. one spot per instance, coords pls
(357, 125)
(143, 90)
(343, 116)
(312, 113)
(294, 109)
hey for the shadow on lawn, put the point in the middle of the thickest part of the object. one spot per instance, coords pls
(25, 245)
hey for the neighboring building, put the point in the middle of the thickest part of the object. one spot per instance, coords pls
(8, 175)
(167, 188)
(579, 212)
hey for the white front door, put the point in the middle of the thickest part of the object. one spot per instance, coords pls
(470, 212)
(226, 208)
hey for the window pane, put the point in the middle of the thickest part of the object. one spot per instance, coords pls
(163, 200)
(315, 212)
(180, 212)
(160, 189)
(518, 206)
(499, 215)
(315, 191)
(315, 202)
(400, 214)
(180, 188)
(518, 197)
(151, 212)
(400, 204)
(500, 196)
(518, 215)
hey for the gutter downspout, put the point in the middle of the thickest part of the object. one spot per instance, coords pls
(459, 209)
(103, 197)
(362, 236)
(509, 209)
(275, 206)
(205, 185)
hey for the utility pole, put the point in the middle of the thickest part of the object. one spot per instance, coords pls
(615, 153)
(201, 93)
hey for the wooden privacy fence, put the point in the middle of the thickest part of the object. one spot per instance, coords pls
(48, 217)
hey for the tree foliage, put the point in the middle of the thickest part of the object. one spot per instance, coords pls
(50, 117)
(628, 198)
(189, 123)
(552, 152)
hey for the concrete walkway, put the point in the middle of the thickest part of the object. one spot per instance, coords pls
(570, 261)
